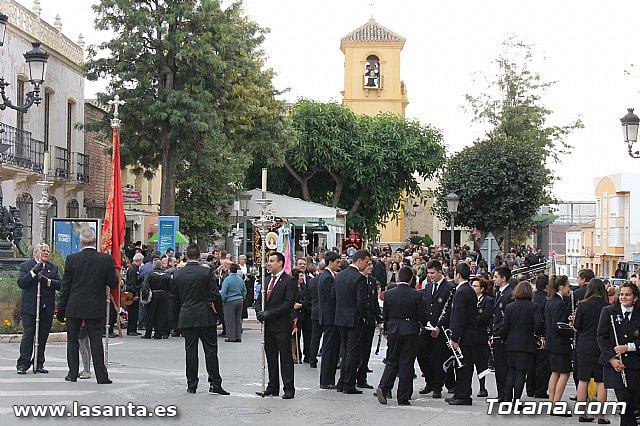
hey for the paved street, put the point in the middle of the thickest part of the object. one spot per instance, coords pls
(151, 373)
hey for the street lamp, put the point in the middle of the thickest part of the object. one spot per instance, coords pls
(36, 59)
(452, 207)
(244, 198)
(630, 124)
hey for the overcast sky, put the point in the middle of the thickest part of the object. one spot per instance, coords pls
(583, 45)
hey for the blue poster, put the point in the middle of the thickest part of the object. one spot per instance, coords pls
(167, 228)
(66, 234)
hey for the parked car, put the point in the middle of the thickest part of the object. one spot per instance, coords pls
(616, 282)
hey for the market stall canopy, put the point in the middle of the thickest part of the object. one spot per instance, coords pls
(288, 207)
(179, 238)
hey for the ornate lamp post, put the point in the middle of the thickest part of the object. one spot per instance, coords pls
(36, 59)
(244, 207)
(303, 240)
(630, 124)
(452, 207)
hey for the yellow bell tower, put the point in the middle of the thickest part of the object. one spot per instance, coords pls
(372, 85)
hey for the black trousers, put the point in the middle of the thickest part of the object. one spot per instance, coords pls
(501, 365)
(306, 327)
(631, 398)
(157, 314)
(94, 327)
(538, 376)
(175, 315)
(351, 339)
(133, 309)
(481, 360)
(330, 354)
(28, 335)
(316, 335)
(368, 331)
(432, 353)
(464, 375)
(208, 337)
(401, 355)
(277, 344)
(113, 316)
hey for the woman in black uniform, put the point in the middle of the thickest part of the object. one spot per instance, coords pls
(587, 351)
(624, 357)
(557, 342)
(484, 315)
(521, 321)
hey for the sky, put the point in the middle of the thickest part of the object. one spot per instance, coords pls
(582, 45)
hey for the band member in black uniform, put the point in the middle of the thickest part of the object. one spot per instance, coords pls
(403, 313)
(351, 314)
(159, 283)
(326, 314)
(522, 321)
(584, 277)
(503, 296)
(133, 284)
(587, 351)
(625, 356)
(279, 297)
(316, 328)
(463, 325)
(433, 351)
(484, 315)
(369, 330)
(558, 341)
(538, 376)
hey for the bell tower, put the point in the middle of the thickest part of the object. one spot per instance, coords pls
(372, 70)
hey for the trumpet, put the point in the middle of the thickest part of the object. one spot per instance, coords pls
(457, 356)
(540, 341)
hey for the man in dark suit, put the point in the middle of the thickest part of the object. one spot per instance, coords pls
(304, 323)
(133, 284)
(403, 312)
(538, 376)
(32, 272)
(351, 312)
(275, 315)
(503, 296)
(380, 272)
(584, 276)
(316, 328)
(195, 289)
(371, 321)
(433, 351)
(463, 324)
(83, 298)
(327, 318)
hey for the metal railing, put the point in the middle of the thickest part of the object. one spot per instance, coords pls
(60, 163)
(25, 151)
(81, 163)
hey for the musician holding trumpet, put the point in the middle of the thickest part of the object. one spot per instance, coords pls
(619, 342)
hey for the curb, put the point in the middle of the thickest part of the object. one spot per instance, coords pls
(16, 338)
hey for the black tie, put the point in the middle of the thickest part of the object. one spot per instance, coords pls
(435, 288)
(626, 318)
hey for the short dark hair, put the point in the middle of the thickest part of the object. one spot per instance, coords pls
(434, 264)
(504, 272)
(360, 255)
(484, 284)
(193, 252)
(278, 255)
(331, 256)
(405, 274)
(523, 291)
(234, 268)
(464, 270)
(586, 274)
(542, 280)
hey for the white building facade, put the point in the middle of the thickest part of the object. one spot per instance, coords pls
(54, 126)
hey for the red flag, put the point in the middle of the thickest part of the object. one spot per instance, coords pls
(114, 223)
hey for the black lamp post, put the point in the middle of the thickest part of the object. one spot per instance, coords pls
(244, 198)
(36, 59)
(452, 207)
(630, 124)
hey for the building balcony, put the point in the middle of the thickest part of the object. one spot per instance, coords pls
(25, 152)
(70, 166)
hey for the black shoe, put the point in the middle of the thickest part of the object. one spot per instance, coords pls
(69, 379)
(364, 385)
(144, 336)
(425, 390)
(327, 386)
(218, 389)
(542, 396)
(573, 397)
(21, 371)
(165, 336)
(133, 333)
(483, 393)
(112, 334)
(313, 365)
(157, 336)
(105, 382)
(238, 340)
(369, 370)
(465, 401)
(266, 393)
(448, 399)
(222, 335)
(382, 398)
(42, 370)
(585, 419)
(437, 394)
(288, 395)
(404, 402)
(191, 390)
(450, 391)
(175, 334)
(339, 388)
(229, 340)
(352, 391)
(560, 414)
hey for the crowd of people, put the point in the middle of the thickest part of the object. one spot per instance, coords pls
(450, 313)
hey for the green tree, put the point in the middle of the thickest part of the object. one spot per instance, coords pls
(504, 178)
(192, 75)
(359, 163)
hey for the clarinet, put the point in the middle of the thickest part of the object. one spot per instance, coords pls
(446, 307)
(379, 341)
(615, 336)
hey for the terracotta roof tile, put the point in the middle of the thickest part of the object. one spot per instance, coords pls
(372, 31)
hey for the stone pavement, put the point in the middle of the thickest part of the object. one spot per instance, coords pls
(151, 373)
